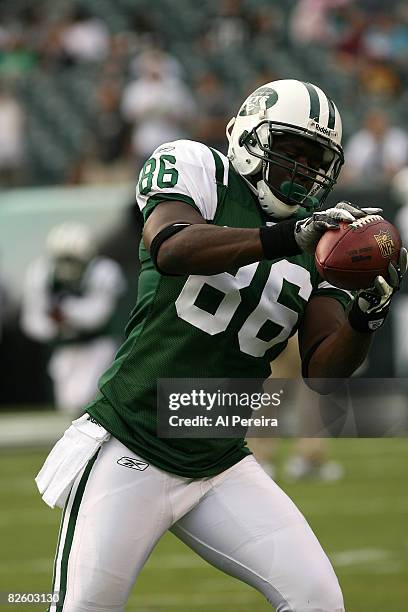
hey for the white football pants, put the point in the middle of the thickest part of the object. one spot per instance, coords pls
(240, 521)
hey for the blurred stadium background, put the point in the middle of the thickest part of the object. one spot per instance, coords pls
(87, 90)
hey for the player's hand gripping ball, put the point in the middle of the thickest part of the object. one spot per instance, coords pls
(352, 256)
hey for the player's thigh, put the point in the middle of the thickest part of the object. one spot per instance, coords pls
(249, 528)
(114, 516)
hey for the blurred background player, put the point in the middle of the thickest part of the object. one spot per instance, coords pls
(377, 151)
(69, 300)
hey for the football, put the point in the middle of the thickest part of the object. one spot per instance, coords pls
(352, 256)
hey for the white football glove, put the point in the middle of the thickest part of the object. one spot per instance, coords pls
(309, 231)
(370, 306)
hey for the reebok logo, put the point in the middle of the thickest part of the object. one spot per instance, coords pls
(375, 324)
(132, 463)
(90, 418)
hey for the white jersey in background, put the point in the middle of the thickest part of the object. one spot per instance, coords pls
(81, 333)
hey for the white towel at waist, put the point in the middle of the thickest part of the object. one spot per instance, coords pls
(67, 458)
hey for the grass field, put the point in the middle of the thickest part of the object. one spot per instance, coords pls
(361, 522)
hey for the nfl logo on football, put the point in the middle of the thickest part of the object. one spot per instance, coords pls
(385, 244)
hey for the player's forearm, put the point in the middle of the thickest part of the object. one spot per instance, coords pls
(338, 356)
(210, 249)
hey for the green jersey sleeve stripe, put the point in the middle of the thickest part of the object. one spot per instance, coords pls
(219, 167)
(166, 197)
(325, 285)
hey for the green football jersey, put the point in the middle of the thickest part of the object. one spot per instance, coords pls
(228, 325)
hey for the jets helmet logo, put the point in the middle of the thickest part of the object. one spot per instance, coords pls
(253, 103)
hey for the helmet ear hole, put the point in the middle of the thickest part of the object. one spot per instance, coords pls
(243, 137)
(229, 128)
(246, 155)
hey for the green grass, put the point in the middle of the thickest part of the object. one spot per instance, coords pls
(361, 522)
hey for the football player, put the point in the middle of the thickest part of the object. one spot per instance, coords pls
(227, 277)
(69, 300)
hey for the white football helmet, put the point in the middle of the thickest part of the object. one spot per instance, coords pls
(71, 239)
(70, 247)
(286, 107)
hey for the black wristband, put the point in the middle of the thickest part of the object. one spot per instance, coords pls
(363, 322)
(279, 240)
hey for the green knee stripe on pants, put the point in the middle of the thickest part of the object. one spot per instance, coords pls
(58, 547)
(70, 532)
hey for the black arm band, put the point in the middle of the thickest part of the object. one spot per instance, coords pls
(279, 240)
(161, 237)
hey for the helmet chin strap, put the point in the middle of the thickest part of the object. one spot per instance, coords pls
(275, 207)
(271, 204)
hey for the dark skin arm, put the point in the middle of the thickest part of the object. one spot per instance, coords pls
(210, 249)
(340, 350)
(201, 248)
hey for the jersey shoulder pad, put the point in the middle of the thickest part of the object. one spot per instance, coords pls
(185, 171)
